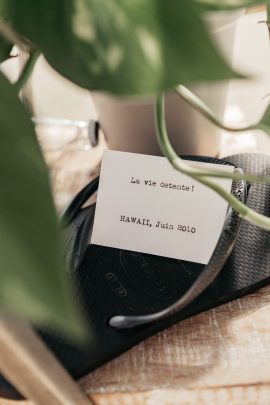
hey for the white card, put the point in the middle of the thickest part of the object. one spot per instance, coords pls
(145, 205)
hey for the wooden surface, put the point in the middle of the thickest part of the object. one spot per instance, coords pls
(220, 357)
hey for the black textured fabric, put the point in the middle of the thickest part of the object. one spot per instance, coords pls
(113, 282)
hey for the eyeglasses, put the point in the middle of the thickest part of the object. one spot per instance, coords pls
(77, 236)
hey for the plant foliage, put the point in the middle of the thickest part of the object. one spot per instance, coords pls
(126, 47)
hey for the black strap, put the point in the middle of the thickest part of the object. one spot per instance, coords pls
(226, 242)
(219, 257)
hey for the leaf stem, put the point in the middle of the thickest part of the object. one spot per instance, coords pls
(168, 151)
(28, 68)
(201, 107)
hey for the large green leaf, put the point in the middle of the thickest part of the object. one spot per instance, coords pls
(122, 46)
(5, 49)
(32, 280)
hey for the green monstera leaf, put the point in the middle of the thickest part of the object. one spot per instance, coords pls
(32, 277)
(121, 46)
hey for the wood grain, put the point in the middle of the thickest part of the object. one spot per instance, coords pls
(220, 356)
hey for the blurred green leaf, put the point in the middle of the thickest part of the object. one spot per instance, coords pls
(121, 46)
(32, 277)
(264, 122)
(5, 49)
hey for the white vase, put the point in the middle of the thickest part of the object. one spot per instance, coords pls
(129, 125)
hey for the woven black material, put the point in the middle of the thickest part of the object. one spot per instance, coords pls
(112, 282)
